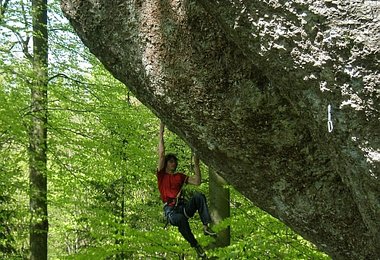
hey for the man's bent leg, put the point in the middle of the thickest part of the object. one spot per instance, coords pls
(198, 202)
(179, 220)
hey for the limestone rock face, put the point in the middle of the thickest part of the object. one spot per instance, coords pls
(248, 84)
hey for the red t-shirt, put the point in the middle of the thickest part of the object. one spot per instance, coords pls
(169, 185)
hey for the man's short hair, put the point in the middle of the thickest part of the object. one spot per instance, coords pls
(169, 157)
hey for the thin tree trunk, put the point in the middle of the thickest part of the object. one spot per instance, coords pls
(219, 206)
(38, 135)
(3, 8)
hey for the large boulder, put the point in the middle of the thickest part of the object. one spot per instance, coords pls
(253, 86)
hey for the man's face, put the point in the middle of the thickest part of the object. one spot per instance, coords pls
(172, 165)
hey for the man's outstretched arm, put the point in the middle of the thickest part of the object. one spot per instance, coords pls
(161, 148)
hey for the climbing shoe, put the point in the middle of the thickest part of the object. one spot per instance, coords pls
(200, 252)
(208, 231)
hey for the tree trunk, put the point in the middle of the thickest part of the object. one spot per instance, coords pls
(38, 135)
(3, 8)
(219, 206)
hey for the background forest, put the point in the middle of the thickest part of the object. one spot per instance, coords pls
(102, 195)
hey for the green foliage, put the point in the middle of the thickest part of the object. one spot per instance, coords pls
(14, 107)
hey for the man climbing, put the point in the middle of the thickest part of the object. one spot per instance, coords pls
(177, 210)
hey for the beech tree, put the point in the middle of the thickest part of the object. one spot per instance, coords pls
(220, 206)
(38, 134)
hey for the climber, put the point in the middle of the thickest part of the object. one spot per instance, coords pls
(177, 210)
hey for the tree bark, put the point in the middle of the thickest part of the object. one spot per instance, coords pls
(38, 135)
(219, 206)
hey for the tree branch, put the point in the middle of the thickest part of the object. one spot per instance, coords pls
(3, 8)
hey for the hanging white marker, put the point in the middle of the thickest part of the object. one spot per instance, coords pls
(329, 121)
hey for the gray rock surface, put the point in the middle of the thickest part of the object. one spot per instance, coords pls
(248, 85)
